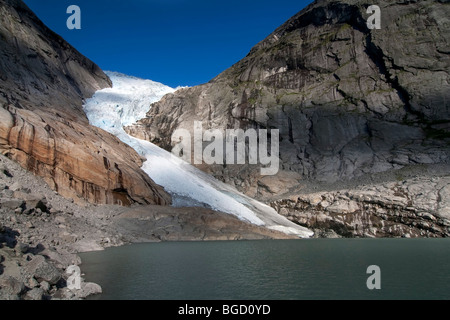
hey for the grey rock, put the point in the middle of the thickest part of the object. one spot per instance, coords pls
(12, 204)
(35, 294)
(32, 283)
(8, 297)
(29, 225)
(22, 247)
(16, 186)
(348, 101)
(61, 258)
(11, 286)
(36, 203)
(7, 193)
(43, 126)
(43, 270)
(88, 289)
(390, 209)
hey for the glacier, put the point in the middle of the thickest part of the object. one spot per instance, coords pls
(129, 100)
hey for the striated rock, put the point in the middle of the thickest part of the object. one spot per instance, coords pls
(35, 294)
(42, 270)
(43, 83)
(62, 259)
(393, 209)
(347, 100)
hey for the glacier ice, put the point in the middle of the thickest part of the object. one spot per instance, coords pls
(128, 101)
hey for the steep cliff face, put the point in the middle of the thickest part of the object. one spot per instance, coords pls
(347, 100)
(43, 83)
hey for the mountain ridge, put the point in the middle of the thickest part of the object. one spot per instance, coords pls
(43, 83)
(348, 100)
(352, 105)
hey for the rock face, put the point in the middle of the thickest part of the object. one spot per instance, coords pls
(347, 100)
(412, 208)
(43, 82)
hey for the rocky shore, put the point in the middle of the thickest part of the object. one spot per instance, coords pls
(41, 233)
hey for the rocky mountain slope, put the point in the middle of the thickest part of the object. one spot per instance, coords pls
(41, 233)
(347, 100)
(354, 106)
(411, 206)
(43, 83)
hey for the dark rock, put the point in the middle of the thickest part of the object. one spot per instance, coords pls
(32, 283)
(22, 247)
(28, 212)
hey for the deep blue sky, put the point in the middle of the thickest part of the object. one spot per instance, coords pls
(176, 42)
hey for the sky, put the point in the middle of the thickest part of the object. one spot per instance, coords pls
(175, 42)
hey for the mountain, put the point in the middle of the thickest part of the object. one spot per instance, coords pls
(112, 108)
(363, 116)
(43, 84)
(348, 101)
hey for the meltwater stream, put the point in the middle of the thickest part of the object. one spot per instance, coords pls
(128, 101)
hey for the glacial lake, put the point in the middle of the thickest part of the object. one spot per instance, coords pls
(272, 270)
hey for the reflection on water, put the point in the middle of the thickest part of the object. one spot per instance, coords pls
(272, 270)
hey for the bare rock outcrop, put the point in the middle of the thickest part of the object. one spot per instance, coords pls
(415, 207)
(348, 101)
(43, 83)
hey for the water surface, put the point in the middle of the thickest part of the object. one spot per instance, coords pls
(272, 269)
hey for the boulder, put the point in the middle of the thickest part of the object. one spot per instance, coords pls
(42, 270)
(44, 285)
(12, 204)
(11, 286)
(61, 258)
(22, 247)
(88, 289)
(35, 294)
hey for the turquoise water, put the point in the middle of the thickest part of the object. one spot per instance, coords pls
(272, 270)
